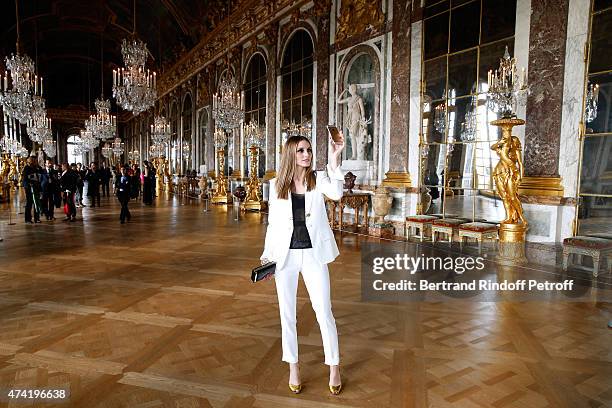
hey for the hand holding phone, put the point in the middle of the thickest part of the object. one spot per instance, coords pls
(335, 134)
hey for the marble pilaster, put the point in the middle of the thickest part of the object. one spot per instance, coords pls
(322, 104)
(573, 92)
(271, 115)
(400, 96)
(415, 97)
(548, 28)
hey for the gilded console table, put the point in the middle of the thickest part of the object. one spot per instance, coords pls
(358, 202)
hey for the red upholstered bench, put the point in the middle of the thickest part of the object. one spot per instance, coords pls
(420, 223)
(479, 231)
(447, 226)
(595, 247)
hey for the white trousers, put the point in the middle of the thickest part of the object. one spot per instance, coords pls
(316, 278)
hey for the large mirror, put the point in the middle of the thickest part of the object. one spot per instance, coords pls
(463, 40)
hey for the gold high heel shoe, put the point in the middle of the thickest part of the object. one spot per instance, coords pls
(296, 389)
(335, 389)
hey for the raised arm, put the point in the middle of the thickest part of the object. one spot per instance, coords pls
(330, 183)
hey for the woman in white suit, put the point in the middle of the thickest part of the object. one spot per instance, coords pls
(299, 239)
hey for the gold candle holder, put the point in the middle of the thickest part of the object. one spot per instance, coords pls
(221, 195)
(254, 200)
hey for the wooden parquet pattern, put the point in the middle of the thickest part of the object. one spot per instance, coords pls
(161, 313)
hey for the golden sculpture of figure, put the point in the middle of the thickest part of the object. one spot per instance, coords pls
(220, 194)
(356, 16)
(168, 176)
(13, 174)
(4, 168)
(509, 171)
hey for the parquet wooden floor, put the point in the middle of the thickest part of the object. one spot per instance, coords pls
(161, 313)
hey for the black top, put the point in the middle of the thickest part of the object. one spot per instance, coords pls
(300, 238)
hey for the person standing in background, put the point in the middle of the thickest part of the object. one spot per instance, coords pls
(31, 178)
(68, 186)
(94, 179)
(105, 175)
(50, 189)
(123, 191)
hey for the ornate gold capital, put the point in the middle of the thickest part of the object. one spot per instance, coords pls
(397, 179)
(541, 186)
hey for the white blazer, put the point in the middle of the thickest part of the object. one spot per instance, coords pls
(280, 219)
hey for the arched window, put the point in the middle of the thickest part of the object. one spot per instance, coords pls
(186, 140)
(203, 123)
(255, 90)
(174, 148)
(255, 102)
(297, 79)
(73, 141)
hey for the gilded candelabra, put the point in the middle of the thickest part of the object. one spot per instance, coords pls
(254, 200)
(254, 138)
(221, 195)
(506, 90)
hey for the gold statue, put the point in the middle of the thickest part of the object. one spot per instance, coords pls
(509, 171)
(13, 175)
(168, 176)
(4, 168)
(220, 195)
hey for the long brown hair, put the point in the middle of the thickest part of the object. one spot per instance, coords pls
(287, 168)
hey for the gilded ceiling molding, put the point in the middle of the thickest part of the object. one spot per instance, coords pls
(212, 46)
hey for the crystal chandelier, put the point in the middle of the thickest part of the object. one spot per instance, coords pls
(16, 94)
(590, 110)
(10, 145)
(160, 130)
(22, 152)
(16, 99)
(253, 134)
(468, 127)
(186, 149)
(440, 118)
(107, 151)
(133, 155)
(220, 138)
(157, 150)
(227, 101)
(507, 89)
(133, 86)
(227, 104)
(296, 129)
(103, 124)
(39, 126)
(50, 147)
(117, 147)
(88, 140)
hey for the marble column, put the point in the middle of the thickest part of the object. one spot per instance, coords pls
(397, 175)
(322, 101)
(548, 28)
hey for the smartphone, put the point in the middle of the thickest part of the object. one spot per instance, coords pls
(335, 133)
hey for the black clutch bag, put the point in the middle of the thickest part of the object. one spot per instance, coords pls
(263, 271)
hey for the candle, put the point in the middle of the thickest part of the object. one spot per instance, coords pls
(35, 85)
(41, 86)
